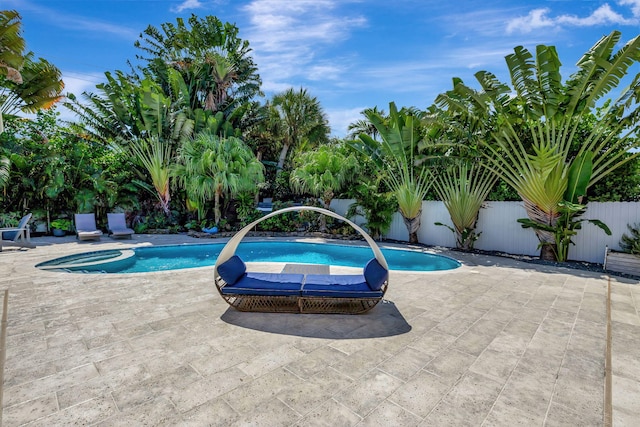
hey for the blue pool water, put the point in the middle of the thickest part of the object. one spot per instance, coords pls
(159, 258)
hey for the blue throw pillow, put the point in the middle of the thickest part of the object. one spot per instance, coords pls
(232, 269)
(375, 274)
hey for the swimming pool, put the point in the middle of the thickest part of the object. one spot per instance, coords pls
(174, 257)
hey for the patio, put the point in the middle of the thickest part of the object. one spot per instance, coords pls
(496, 342)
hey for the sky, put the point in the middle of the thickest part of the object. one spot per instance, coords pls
(349, 54)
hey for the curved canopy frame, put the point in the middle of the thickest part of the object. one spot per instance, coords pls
(298, 303)
(229, 249)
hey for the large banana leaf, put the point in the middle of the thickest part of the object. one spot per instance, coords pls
(579, 176)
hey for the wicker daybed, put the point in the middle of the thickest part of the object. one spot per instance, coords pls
(295, 292)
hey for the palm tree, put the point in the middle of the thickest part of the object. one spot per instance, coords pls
(11, 46)
(301, 121)
(11, 49)
(223, 74)
(40, 88)
(395, 158)
(215, 63)
(262, 135)
(539, 122)
(128, 108)
(364, 126)
(211, 167)
(155, 157)
(26, 84)
(322, 173)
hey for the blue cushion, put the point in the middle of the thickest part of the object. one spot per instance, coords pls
(232, 269)
(268, 284)
(375, 274)
(338, 286)
(9, 235)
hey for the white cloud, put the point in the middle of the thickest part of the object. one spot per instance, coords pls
(323, 72)
(340, 119)
(488, 22)
(187, 5)
(635, 6)
(534, 20)
(77, 83)
(603, 15)
(286, 37)
(77, 23)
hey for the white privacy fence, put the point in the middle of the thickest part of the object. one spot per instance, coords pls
(501, 231)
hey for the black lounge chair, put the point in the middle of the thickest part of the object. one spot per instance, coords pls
(299, 293)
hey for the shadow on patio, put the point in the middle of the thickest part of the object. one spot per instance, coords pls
(382, 321)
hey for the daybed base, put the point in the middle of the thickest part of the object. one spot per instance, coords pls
(321, 305)
(263, 304)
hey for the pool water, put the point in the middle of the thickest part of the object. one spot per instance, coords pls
(160, 258)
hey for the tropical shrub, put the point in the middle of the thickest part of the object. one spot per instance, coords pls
(287, 222)
(631, 242)
(246, 208)
(211, 167)
(374, 202)
(322, 173)
(10, 219)
(62, 224)
(154, 155)
(55, 170)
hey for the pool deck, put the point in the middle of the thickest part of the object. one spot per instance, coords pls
(495, 342)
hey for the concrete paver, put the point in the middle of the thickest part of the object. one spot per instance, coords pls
(496, 342)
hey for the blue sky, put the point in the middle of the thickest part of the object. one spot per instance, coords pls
(350, 54)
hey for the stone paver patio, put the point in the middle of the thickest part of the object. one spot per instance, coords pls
(496, 342)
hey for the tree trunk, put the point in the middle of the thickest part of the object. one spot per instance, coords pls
(210, 102)
(413, 225)
(216, 207)
(283, 157)
(164, 200)
(323, 219)
(257, 196)
(548, 250)
(322, 223)
(465, 243)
